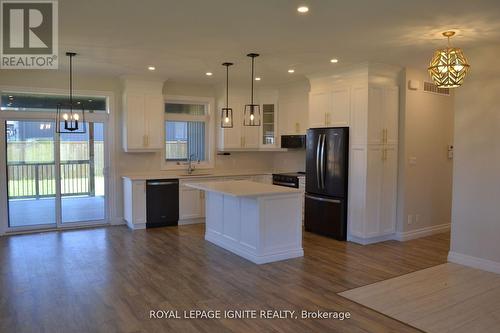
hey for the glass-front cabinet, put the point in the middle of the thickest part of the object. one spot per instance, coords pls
(268, 124)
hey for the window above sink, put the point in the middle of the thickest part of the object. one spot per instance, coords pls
(189, 132)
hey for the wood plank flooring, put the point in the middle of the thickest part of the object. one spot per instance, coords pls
(108, 279)
(444, 298)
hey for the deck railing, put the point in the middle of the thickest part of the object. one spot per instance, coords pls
(38, 180)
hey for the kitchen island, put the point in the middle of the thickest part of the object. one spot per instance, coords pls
(259, 222)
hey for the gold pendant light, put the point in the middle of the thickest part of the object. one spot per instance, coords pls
(448, 66)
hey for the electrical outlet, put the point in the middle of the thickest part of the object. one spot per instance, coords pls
(410, 219)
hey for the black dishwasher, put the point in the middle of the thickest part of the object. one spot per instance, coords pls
(162, 202)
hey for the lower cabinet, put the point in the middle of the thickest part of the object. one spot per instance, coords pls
(373, 193)
(134, 203)
(191, 203)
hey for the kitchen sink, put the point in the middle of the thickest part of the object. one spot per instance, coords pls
(195, 174)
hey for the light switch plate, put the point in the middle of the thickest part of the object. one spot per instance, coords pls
(413, 84)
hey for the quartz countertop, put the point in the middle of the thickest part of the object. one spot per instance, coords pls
(200, 173)
(243, 188)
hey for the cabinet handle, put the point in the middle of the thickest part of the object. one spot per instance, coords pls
(326, 119)
(384, 154)
(384, 135)
(297, 127)
(145, 140)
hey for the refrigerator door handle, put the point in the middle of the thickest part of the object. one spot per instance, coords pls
(322, 199)
(322, 161)
(318, 147)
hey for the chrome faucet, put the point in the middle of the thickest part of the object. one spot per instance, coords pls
(191, 167)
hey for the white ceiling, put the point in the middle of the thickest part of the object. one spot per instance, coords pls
(186, 38)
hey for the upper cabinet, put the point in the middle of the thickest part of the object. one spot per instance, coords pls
(330, 108)
(241, 137)
(143, 116)
(383, 117)
(293, 108)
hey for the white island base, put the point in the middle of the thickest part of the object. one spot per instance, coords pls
(259, 222)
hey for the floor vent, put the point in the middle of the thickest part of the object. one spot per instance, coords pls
(431, 87)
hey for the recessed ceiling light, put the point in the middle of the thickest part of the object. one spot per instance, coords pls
(151, 68)
(257, 78)
(291, 71)
(303, 9)
(334, 60)
(209, 74)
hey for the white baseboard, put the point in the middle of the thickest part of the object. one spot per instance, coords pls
(117, 221)
(136, 226)
(370, 240)
(422, 232)
(192, 221)
(474, 262)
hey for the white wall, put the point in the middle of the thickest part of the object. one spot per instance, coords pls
(476, 180)
(426, 129)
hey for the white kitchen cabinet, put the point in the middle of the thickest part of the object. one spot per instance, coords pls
(238, 136)
(373, 163)
(330, 108)
(320, 105)
(143, 116)
(388, 191)
(293, 104)
(339, 115)
(134, 203)
(191, 203)
(383, 104)
(380, 194)
(245, 137)
(250, 136)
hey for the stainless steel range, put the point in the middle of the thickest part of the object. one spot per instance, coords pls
(293, 179)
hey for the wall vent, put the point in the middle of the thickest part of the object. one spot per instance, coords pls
(431, 87)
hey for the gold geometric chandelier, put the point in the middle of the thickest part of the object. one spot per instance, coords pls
(448, 66)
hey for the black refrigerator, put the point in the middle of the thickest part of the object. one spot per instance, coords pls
(327, 160)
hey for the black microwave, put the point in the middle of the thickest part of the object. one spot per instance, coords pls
(293, 141)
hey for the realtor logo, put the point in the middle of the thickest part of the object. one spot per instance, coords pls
(29, 34)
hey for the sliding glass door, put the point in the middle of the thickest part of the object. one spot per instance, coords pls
(82, 175)
(54, 179)
(31, 179)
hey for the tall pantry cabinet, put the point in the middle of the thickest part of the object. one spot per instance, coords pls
(373, 163)
(365, 99)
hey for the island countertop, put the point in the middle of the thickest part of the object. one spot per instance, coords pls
(243, 188)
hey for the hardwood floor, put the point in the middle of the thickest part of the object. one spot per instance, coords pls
(108, 279)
